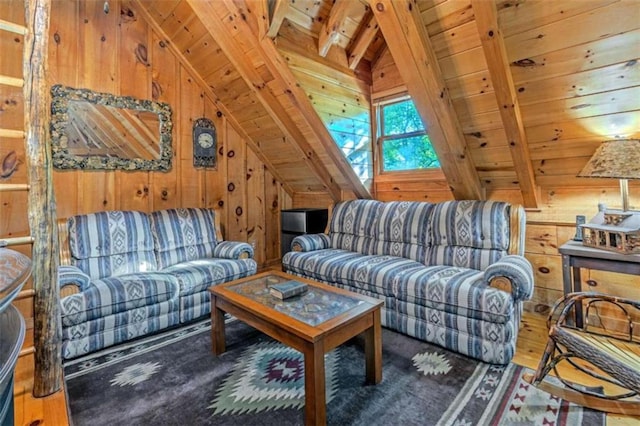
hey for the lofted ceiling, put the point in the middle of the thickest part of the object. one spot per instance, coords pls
(516, 94)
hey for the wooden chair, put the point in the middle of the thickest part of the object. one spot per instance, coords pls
(611, 357)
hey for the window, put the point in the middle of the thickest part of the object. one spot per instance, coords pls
(353, 137)
(403, 140)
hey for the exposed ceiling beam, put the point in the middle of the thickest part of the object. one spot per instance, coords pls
(212, 96)
(411, 49)
(260, 87)
(331, 29)
(263, 16)
(279, 68)
(280, 11)
(486, 15)
(359, 47)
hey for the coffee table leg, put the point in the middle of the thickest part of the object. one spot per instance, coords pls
(217, 328)
(373, 350)
(314, 385)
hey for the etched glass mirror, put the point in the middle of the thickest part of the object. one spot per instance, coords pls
(100, 131)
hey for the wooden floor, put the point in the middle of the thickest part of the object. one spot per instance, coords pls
(52, 410)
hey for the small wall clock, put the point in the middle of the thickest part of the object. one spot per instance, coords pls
(204, 143)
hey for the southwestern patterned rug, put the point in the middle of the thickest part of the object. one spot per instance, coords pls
(174, 379)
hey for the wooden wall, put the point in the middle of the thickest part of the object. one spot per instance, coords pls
(560, 141)
(560, 125)
(120, 54)
(428, 186)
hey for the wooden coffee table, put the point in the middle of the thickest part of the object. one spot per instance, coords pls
(314, 324)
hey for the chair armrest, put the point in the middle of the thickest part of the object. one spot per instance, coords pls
(566, 307)
(71, 280)
(513, 274)
(310, 242)
(233, 250)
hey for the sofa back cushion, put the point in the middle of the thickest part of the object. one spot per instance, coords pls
(402, 230)
(471, 234)
(111, 243)
(352, 224)
(180, 235)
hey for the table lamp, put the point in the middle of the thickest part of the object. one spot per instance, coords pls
(618, 159)
(615, 230)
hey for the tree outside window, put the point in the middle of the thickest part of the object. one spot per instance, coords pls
(404, 141)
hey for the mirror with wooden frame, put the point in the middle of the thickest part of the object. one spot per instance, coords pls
(99, 131)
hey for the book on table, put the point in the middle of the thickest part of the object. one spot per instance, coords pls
(287, 289)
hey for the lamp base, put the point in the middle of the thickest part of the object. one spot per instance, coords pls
(624, 192)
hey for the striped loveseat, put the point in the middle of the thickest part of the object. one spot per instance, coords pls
(125, 274)
(450, 273)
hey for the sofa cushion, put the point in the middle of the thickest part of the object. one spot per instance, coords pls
(456, 290)
(193, 306)
(351, 224)
(321, 265)
(180, 235)
(468, 225)
(461, 256)
(402, 230)
(111, 243)
(198, 275)
(496, 332)
(112, 295)
(373, 273)
(480, 224)
(485, 342)
(120, 320)
(72, 348)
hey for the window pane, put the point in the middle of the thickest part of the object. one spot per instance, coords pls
(409, 154)
(353, 136)
(401, 117)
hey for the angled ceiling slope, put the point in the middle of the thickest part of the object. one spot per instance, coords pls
(256, 77)
(409, 44)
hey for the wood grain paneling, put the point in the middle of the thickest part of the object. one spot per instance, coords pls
(575, 89)
(574, 66)
(572, 30)
(529, 14)
(237, 172)
(119, 53)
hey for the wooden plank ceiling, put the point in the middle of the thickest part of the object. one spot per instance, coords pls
(516, 94)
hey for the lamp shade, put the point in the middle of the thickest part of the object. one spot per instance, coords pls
(619, 159)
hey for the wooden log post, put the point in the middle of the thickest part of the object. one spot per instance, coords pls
(42, 206)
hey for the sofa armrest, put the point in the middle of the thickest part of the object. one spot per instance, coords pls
(71, 280)
(310, 242)
(513, 274)
(233, 250)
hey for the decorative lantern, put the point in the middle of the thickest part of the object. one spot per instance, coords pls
(615, 230)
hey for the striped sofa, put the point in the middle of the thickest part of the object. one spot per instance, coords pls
(125, 274)
(450, 273)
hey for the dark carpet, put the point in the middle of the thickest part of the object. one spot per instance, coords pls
(174, 379)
